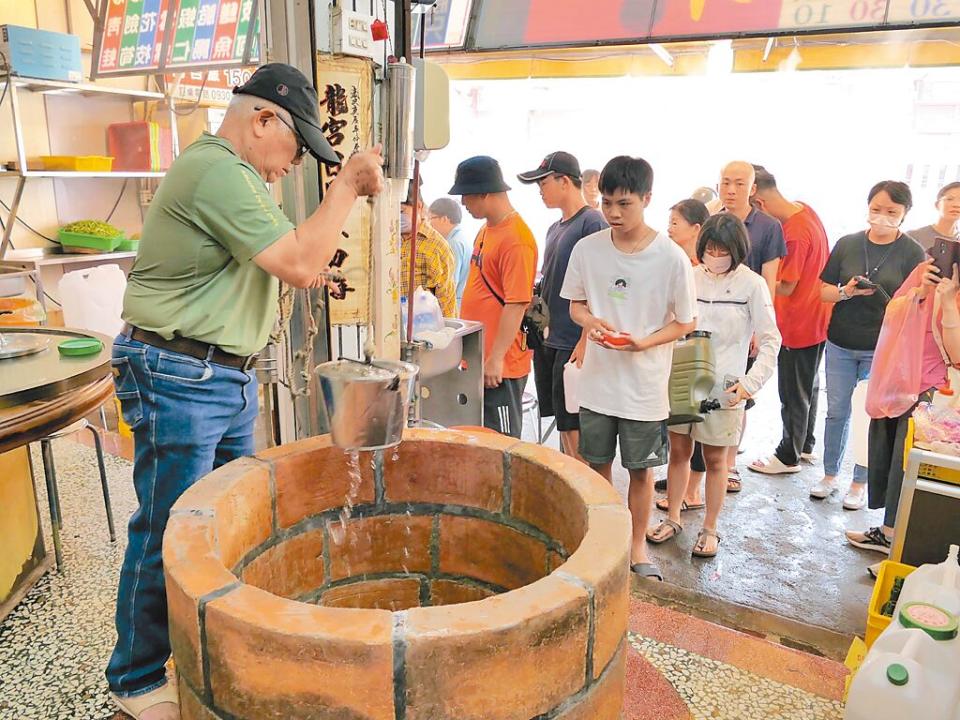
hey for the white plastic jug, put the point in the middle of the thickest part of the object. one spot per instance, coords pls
(92, 299)
(907, 674)
(935, 583)
(859, 423)
(571, 377)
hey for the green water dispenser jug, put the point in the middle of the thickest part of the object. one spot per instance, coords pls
(692, 379)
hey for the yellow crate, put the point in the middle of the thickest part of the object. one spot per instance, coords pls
(877, 622)
(77, 163)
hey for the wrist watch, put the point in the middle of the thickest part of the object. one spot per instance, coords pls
(843, 292)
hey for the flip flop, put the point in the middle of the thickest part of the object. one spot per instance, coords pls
(647, 570)
(675, 529)
(734, 482)
(684, 506)
(138, 704)
(698, 546)
(773, 466)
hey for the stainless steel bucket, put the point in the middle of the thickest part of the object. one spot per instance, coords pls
(365, 405)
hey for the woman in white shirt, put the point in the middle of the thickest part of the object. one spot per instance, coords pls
(734, 304)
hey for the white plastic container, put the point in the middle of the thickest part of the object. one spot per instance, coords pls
(937, 584)
(92, 299)
(571, 378)
(907, 674)
(859, 423)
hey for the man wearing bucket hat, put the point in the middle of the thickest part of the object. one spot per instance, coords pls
(200, 303)
(499, 288)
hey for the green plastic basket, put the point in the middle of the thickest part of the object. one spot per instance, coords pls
(127, 245)
(91, 242)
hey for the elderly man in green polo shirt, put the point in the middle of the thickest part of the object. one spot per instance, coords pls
(200, 302)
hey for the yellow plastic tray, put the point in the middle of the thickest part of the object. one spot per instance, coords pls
(77, 163)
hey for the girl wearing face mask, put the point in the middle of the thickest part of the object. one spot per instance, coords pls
(863, 272)
(733, 305)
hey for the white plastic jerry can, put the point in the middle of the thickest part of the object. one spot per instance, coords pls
(937, 584)
(911, 670)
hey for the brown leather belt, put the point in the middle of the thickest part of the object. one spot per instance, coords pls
(193, 348)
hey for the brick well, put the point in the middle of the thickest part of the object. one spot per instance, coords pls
(473, 578)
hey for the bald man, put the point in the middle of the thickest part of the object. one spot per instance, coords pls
(738, 183)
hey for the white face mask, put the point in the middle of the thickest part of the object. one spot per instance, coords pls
(717, 265)
(406, 223)
(882, 221)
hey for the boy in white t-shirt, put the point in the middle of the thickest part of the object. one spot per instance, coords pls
(632, 289)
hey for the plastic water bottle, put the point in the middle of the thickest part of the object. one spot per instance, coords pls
(937, 584)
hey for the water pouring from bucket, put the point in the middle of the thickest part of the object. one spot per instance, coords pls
(365, 404)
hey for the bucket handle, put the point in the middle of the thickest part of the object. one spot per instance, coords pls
(394, 383)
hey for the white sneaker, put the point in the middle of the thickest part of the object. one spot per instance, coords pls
(855, 500)
(809, 458)
(823, 489)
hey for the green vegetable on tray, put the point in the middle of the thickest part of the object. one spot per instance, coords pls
(93, 227)
(889, 605)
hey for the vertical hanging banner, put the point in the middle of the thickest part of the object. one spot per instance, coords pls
(144, 37)
(345, 86)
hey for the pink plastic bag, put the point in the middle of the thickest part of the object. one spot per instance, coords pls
(898, 361)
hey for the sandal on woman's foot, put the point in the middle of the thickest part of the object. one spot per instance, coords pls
(773, 466)
(666, 530)
(699, 548)
(136, 705)
(664, 505)
(734, 484)
(647, 570)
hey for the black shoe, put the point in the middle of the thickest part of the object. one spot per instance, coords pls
(872, 539)
(660, 485)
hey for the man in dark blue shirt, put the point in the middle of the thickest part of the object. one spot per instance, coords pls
(559, 180)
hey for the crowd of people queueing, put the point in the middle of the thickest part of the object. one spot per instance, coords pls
(744, 263)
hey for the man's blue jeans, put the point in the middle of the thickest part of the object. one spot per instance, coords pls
(845, 368)
(188, 417)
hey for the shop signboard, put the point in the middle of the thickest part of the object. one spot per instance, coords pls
(505, 24)
(214, 87)
(142, 37)
(346, 118)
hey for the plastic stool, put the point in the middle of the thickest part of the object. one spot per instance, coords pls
(53, 492)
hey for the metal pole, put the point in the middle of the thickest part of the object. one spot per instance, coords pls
(12, 217)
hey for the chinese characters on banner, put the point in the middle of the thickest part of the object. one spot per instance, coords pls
(200, 33)
(346, 117)
(213, 88)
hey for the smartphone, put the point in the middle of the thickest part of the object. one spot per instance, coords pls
(866, 284)
(945, 254)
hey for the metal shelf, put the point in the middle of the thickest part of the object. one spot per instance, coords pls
(52, 87)
(81, 174)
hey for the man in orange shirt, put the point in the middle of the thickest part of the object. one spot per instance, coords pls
(802, 318)
(499, 289)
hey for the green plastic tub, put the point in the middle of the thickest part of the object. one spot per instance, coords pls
(90, 242)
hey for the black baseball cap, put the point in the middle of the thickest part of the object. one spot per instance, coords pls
(477, 176)
(561, 163)
(289, 88)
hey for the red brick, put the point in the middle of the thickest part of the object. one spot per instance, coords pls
(551, 491)
(275, 658)
(515, 655)
(192, 707)
(192, 570)
(388, 543)
(484, 550)
(603, 562)
(447, 467)
(238, 494)
(450, 592)
(387, 594)
(291, 568)
(312, 476)
(603, 701)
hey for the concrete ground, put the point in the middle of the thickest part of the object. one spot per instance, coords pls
(781, 553)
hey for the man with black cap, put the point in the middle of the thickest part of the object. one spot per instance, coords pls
(499, 289)
(200, 303)
(559, 180)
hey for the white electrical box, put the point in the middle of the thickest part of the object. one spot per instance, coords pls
(350, 34)
(431, 125)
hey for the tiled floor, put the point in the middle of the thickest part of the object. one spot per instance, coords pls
(55, 644)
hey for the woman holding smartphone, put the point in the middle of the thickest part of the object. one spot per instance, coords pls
(863, 272)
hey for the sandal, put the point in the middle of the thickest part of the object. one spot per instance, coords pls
(668, 527)
(647, 570)
(698, 548)
(663, 505)
(734, 483)
(136, 705)
(773, 466)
